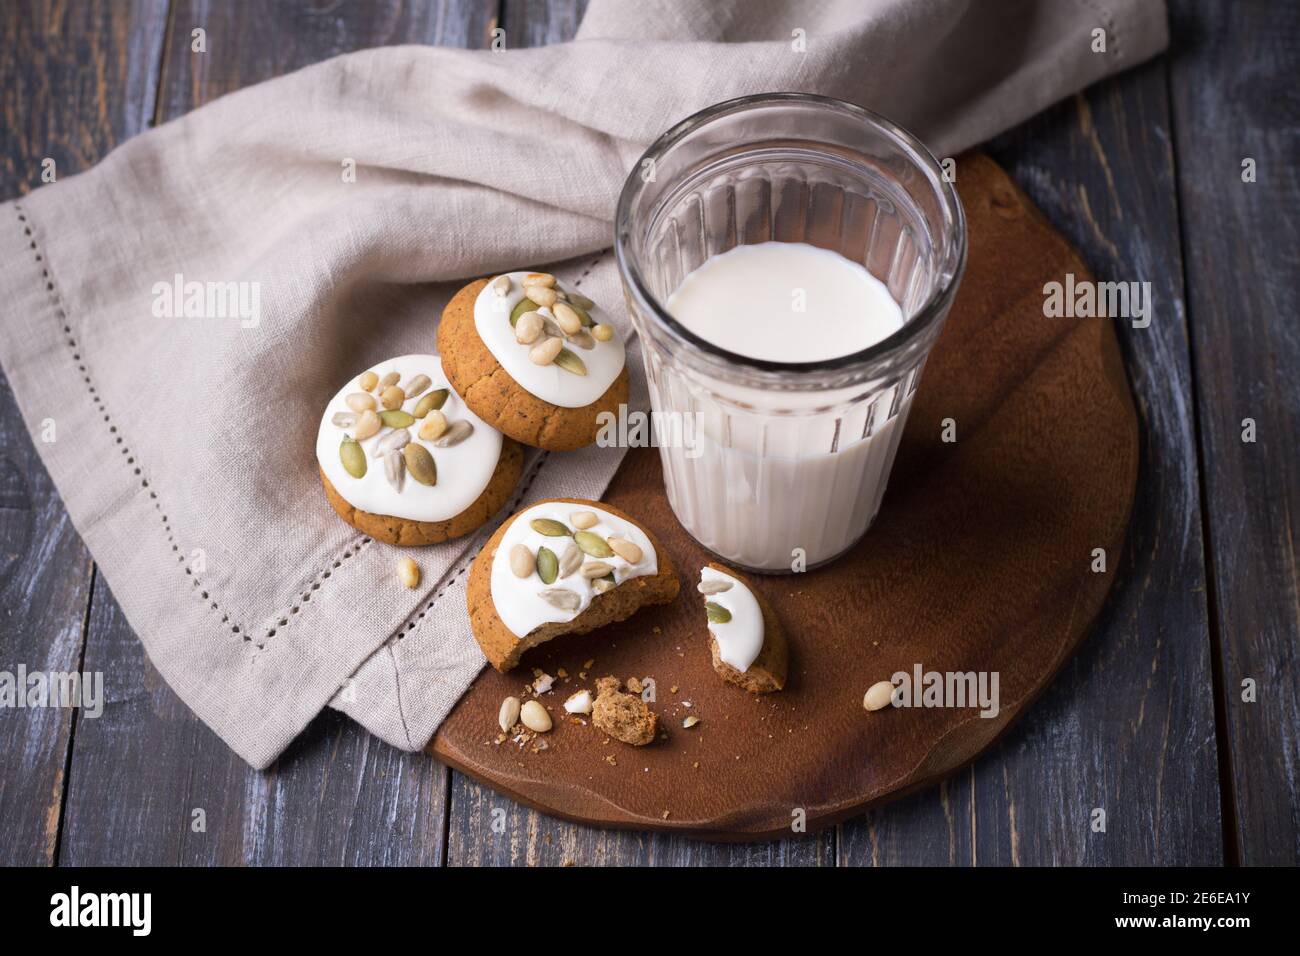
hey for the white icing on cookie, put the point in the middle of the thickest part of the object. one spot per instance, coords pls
(518, 601)
(464, 470)
(741, 639)
(550, 383)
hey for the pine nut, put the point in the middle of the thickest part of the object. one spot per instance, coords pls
(566, 318)
(508, 715)
(392, 397)
(529, 327)
(602, 333)
(540, 295)
(582, 520)
(434, 424)
(501, 285)
(522, 561)
(360, 401)
(367, 381)
(367, 424)
(596, 569)
(625, 549)
(409, 572)
(544, 354)
(539, 278)
(535, 717)
(878, 695)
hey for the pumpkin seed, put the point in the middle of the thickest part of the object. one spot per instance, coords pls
(549, 527)
(392, 397)
(368, 424)
(713, 587)
(508, 715)
(878, 695)
(360, 401)
(389, 379)
(596, 569)
(522, 561)
(344, 419)
(582, 339)
(548, 566)
(396, 418)
(544, 297)
(544, 352)
(592, 544)
(409, 573)
(529, 327)
(393, 441)
(561, 598)
(434, 424)
(420, 464)
(424, 405)
(602, 333)
(501, 285)
(353, 458)
(534, 717)
(439, 396)
(566, 318)
(583, 519)
(395, 468)
(583, 317)
(625, 549)
(539, 278)
(601, 585)
(416, 385)
(456, 433)
(570, 362)
(367, 381)
(717, 613)
(525, 305)
(570, 560)
(578, 299)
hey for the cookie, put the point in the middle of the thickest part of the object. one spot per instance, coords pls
(562, 566)
(625, 717)
(541, 373)
(746, 639)
(403, 460)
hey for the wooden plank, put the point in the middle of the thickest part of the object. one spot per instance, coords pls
(79, 79)
(1128, 727)
(1233, 99)
(140, 773)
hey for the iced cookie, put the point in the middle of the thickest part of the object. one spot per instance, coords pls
(563, 566)
(403, 460)
(534, 359)
(745, 635)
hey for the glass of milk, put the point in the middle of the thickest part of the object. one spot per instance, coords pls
(788, 261)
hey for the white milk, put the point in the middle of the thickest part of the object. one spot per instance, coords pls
(759, 489)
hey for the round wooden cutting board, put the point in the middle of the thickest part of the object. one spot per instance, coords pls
(980, 560)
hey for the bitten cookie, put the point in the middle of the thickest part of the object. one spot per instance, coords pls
(562, 566)
(533, 359)
(404, 461)
(745, 636)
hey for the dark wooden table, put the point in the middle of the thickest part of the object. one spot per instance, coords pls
(1143, 173)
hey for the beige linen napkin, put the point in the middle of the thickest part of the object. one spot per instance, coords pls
(183, 448)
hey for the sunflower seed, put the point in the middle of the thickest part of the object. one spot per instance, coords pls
(508, 715)
(561, 598)
(456, 433)
(522, 561)
(529, 327)
(501, 285)
(596, 569)
(713, 587)
(396, 418)
(416, 386)
(570, 560)
(368, 423)
(393, 441)
(583, 519)
(570, 362)
(392, 397)
(601, 585)
(544, 352)
(592, 544)
(353, 458)
(420, 464)
(344, 419)
(395, 468)
(627, 550)
(717, 613)
(566, 317)
(582, 339)
(360, 401)
(549, 527)
(434, 424)
(534, 717)
(367, 381)
(548, 566)
(602, 333)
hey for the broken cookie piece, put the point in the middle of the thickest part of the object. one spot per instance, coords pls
(623, 716)
(746, 639)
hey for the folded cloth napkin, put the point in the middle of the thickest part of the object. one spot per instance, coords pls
(183, 448)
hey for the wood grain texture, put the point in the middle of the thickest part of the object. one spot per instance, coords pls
(977, 563)
(1129, 726)
(1233, 85)
(139, 773)
(77, 80)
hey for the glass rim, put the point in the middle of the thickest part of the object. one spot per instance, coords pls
(922, 320)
